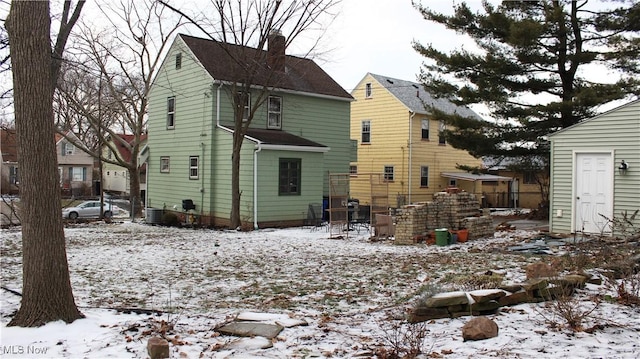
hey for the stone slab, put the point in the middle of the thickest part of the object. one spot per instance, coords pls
(251, 329)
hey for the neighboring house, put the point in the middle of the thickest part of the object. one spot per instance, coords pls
(115, 178)
(398, 139)
(297, 137)
(588, 175)
(521, 190)
(75, 167)
(9, 157)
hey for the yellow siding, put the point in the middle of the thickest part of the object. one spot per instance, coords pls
(390, 147)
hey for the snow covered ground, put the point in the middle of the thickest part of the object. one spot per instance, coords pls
(353, 293)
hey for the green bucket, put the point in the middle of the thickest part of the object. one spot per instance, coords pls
(442, 236)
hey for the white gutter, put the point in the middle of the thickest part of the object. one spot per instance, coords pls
(293, 148)
(410, 151)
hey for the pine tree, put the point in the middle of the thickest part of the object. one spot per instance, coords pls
(534, 70)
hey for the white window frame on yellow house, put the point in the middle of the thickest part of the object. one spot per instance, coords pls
(424, 176)
(424, 127)
(363, 132)
(441, 139)
(368, 90)
(388, 171)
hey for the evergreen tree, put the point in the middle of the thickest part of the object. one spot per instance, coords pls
(534, 70)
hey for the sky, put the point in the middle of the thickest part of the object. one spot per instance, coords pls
(376, 35)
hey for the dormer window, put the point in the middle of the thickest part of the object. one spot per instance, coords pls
(367, 90)
(178, 61)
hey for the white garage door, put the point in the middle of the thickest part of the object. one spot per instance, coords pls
(594, 192)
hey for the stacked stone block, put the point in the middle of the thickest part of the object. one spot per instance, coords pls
(411, 221)
(447, 210)
(479, 227)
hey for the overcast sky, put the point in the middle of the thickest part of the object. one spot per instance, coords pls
(375, 36)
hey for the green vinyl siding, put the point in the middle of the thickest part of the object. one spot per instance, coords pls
(316, 118)
(274, 207)
(617, 132)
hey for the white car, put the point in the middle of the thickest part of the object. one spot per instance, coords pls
(90, 209)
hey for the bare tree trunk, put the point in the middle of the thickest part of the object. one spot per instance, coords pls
(134, 191)
(47, 294)
(235, 179)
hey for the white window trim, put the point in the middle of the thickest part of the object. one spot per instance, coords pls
(362, 132)
(196, 167)
(171, 113)
(163, 168)
(421, 176)
(247, 108)
(368, 90)
(423, 127)
(269, 112)
(392, 173)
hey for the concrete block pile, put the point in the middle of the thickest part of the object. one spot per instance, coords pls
(447, 210)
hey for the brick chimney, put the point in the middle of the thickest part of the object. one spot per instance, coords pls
(275, 50)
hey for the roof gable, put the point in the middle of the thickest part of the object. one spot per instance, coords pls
(220, 61)
(597, 117)
(416, 99)
(124, 151)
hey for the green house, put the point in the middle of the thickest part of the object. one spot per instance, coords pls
(297, 137)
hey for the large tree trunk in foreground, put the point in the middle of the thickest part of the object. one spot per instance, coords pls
(46, 292)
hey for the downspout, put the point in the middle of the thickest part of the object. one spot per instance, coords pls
(255, 184)
(202, 144)
(255, 157)
(410, 152)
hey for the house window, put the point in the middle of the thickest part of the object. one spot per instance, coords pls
(529, 178)
(13, 175)
(425, 129)
(424, 176)
(289, 176)
(366, 131)
(275, 112)
(388, 173)
(353, 170)
(178, 61)
(78, 174)
(367, 90)
(68, 148)
(164, 164)
(193, 167)
(453, 182)
(171, 112)
(441, 139)
(244, 98)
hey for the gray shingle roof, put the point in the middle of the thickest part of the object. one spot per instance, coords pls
(414, 96)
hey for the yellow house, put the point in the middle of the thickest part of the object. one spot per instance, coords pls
(396, 137)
